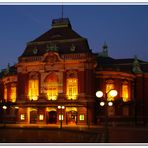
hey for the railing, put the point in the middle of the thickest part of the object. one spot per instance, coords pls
(31, 59)
(74, 56)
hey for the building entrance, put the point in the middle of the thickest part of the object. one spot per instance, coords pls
(52, 117)
(72, 117)
(33, 116)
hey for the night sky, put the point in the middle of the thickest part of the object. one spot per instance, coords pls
(124, 28)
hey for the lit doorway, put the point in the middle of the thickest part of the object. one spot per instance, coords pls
(71, 117)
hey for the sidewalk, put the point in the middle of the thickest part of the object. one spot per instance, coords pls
(72, 133)
(80, 127)
(44, 126)
(48, 133)
(53, 126)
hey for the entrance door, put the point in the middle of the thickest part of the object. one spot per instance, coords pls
(33, 116)
(52, 117)
(72, 117)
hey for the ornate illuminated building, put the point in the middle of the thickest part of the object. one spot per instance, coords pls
(58, 75)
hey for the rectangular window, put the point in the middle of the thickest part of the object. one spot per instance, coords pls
(52, 90)
(72, 88)
(13, 94)
(41, 117)
(22, 116)
(125, 95)
(81, 117)
(70, 91)
(33, 89)
(61, 117)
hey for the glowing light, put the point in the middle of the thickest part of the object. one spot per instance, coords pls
(33, 89)
(16, 107)
(113, 93)
(99, 94)
(102, 103)
(4, 107)
(72, 88)
(81, 117)
(125, 94)
(52, 93)
(109, 87)
(52, 86)
(22, 117)
(61, 117)
(13, 94)
(5, 94)
(41, 117)
(59, 107)
(110, 103)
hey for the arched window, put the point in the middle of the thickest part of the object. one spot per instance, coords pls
(125, 94)
(13, 93)
(109, 86)
(33, 91)
(51, 86)
(72, 86)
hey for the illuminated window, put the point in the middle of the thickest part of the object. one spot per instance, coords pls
(52, 91)
(61, 117)
(109, 86)
(22, 116)
(13, 94)
(81, 117)
(5, 93)
(72, 88)
(52, 87)
(125, 94)
(41, 117)
(33, 89)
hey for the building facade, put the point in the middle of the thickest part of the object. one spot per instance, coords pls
(57, 76)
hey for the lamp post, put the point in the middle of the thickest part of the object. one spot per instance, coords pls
(106, 103)
(61, 115)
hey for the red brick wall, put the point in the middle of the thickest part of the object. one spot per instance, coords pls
(89, 79)
(22, 111)
(82, 111)
(81, 81)
(41, 111)
(22, 86)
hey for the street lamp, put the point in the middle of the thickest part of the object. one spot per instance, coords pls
(106, 103)
(16, 107)
(4, 107)
(61, 115)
